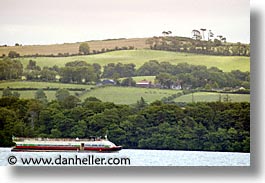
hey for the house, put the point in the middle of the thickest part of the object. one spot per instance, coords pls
(144, 84)
(108, 82)
(176, 87)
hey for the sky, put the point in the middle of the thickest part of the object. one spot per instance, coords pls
(31, 22)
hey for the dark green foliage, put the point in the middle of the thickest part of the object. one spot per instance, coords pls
(47, 75)
(16, 94)
(70, 102)
(151, 68)
(128, 82)
(84, 48)
(35, 73)
(62, 94)
(214, 126)
(194, 76)
(13, 54)
(97, 69)
(166, 80)
(141, 104)
(8, 93)
(118, 70)
(79, 72)
(210, 47)
(32, 65)
(41, 96)
(10, 69)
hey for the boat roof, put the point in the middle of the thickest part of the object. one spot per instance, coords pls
(23, 139)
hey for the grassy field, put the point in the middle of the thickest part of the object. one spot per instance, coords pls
(120, 95)
(210, 97)
(27, 84)
(128, 95)
(29, 94)
(73, 48)
(139, 57)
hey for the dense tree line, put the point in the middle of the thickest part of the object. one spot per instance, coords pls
(210, 47)
(8, 93)
(83, 49)
(73, 72)
(167, 75)
(211, 126)
(118, 70)
(193, 76)
(79, 72)
(10, 69)
(186, 75)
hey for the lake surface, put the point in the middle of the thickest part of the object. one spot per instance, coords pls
(136, 158)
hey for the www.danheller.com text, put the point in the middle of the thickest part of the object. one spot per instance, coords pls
(75, 160)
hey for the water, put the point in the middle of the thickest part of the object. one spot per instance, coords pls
(136, 158)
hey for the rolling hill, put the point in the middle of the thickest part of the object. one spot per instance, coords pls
(73, 48)
(212, 97)
(139, 57)
(118, 95)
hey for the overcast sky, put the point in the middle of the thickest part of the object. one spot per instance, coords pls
(64, 21)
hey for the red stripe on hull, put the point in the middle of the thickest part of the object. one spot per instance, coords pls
(103, 149)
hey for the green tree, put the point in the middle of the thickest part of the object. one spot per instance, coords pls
(7, 92)
(128, 82)
(55, 133)
(32, 65)
(47, 75)
(91, 99)
(151, 68)
(62, 94)
(10, 69)
(84, 48)
(41, 96)
(16, 94)
(70, 102)
(31, 74)
(141, 104)
(79, 130)
(34, 109)
(13, 54)
(166, 80)
(7, 120)
(78, 72)
(118, 70)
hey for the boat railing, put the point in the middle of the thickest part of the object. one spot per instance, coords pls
(22, 139)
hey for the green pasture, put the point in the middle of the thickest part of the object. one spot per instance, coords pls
(121, 95)
(30, 94)
(27, 94)
(29, 84)
(211, 97)
(128, 95)
(139, 57)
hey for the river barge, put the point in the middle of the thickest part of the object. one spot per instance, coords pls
(62, 144)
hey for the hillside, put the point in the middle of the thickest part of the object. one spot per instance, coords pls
(118, 95)
(139, 57)
(213, 97)
(166, 43)
(72, 48)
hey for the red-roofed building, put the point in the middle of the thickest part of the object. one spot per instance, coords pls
(144, 84)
